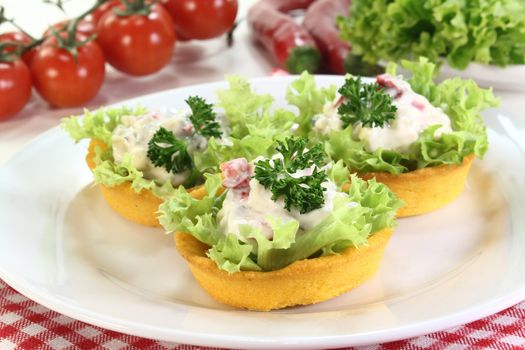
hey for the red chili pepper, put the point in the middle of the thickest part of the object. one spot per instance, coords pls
(289, 43)
(320, 21)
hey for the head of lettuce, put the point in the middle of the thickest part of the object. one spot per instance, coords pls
(460, 32)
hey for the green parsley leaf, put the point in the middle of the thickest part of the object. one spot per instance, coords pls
(365, 103)
(166, 150)
(203, 117)
(279, 175)
(295, 157)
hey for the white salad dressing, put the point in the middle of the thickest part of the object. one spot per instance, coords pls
(134, 133)
(414, 115)
(251, 204)
(329, 120)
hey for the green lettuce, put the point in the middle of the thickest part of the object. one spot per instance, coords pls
(184, 213)
(340, 145)
(219, 151)
(304, 94)
(232, 255)
(461, 100)
(251, 114)
(112, 174)
(368, 208)
(255, 126)
(98, 125)
(461, 31)
(242, 105)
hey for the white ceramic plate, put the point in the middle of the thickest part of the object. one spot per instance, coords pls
(63, 247)
(510, 78)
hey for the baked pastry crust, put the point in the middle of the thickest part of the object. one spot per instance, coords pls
(140, 208)
(427, 189)
(303, 282)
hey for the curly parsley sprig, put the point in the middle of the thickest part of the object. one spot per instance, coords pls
(203, 117)
(365, 103)
(280, 175)
(166, 150)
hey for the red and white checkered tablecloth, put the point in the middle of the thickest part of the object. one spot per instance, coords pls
(24, 324)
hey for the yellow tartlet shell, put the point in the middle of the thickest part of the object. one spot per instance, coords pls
(427, 189)
(140, 208)
(303, 282)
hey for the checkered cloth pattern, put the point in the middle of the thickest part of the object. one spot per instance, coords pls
(25, 324)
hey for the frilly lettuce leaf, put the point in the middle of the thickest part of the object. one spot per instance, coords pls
(340, 145)
(461, 31)
(254, 126)
(450, 148)
(367, 208)
(249, 113)
(218, 151)
(242, 105)
(184, 213)
(98, 124)
(275, 124)
(304, 94)
(283, 237)
(338, 174)
(377, 197)
(111, 174)
(232, 255)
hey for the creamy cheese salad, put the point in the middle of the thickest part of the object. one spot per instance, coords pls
(134, 133)
(414, 115)
(250, 203)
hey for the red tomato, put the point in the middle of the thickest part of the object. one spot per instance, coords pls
(19, 38)
(96, 15)
(15, 87)
(63, 82)
(137, 44)
(16, 37)
(202, 19)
